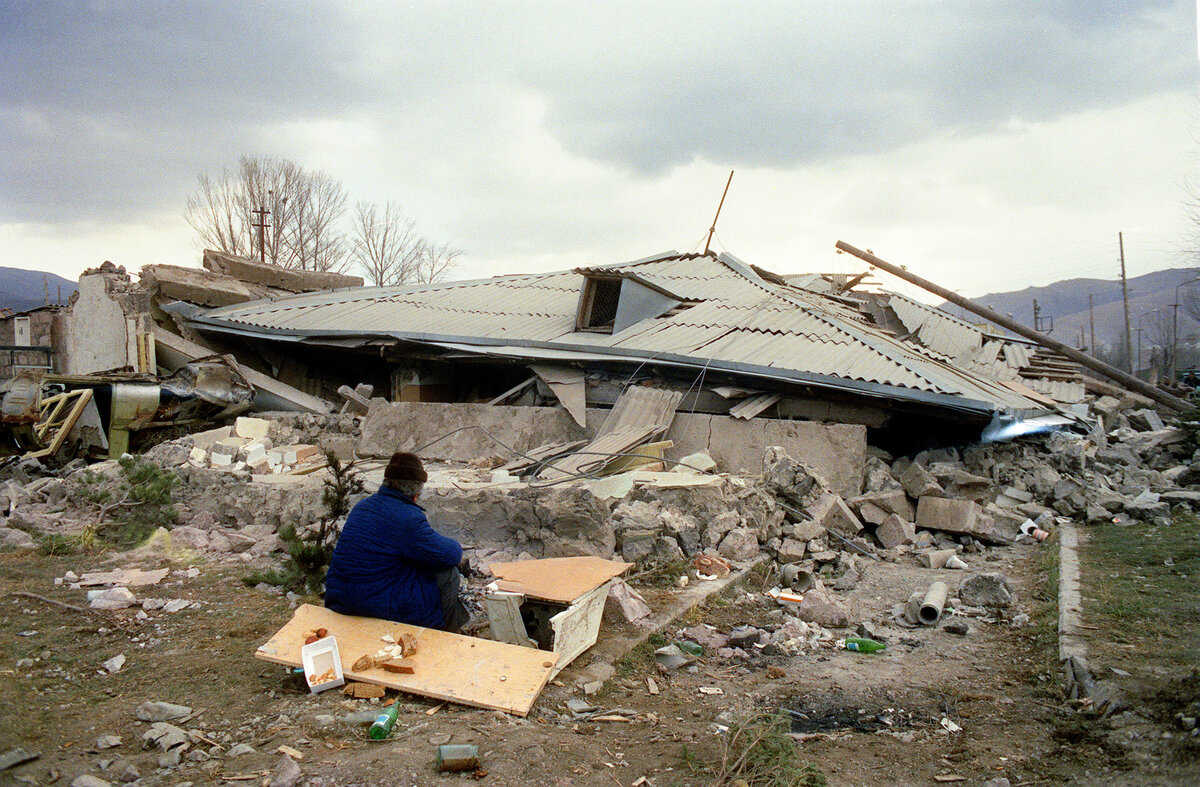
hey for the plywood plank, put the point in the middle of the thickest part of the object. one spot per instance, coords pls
(559, 579)
(466, 670)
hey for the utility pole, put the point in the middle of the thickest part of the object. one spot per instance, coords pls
(262, 214)
(1125, 298)
(1092, 322)
(1039, 324)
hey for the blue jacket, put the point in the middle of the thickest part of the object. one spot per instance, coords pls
(384, 562)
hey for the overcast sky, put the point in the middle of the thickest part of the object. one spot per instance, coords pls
(987, 146)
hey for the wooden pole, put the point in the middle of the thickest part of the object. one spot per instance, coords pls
(713, 228)
(1125, 298)
(1098, 366)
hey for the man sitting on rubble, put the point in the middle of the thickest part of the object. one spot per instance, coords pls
(390, 564)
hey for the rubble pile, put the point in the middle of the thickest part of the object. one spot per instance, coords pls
(940, 505)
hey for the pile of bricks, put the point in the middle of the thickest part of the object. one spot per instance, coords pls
(246, 446)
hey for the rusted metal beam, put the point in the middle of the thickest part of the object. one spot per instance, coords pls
(1083, 359)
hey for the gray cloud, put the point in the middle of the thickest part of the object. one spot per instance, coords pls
(782, 84)
(107, 105)
(111, 108)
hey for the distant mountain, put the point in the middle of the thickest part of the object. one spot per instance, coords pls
(22, 289)
(1152, 300)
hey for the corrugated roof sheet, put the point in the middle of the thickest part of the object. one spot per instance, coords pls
(739, 319)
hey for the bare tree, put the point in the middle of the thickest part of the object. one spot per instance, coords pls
(386, 244)
(311, 235)
(390, 252)
(215, 211)
(436, 262)
(304, 211)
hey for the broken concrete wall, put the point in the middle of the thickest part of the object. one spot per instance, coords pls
(408, 426)
(255, 272)
(107, 314)
(837, 451)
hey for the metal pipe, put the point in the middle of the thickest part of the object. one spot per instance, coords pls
(933, 603)
(1083, 359)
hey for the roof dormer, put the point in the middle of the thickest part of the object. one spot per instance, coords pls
(611, 300)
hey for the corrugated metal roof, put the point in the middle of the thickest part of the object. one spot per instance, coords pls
(935, 328)
(740, 319)
(1058, 390)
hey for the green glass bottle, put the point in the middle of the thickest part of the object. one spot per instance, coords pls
(382, 726)
(864, 645)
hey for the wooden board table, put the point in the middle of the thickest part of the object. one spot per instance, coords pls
(465, 670)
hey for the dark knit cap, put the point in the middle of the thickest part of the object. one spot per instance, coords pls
(405, 467)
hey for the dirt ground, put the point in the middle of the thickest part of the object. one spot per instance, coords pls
(933, 707)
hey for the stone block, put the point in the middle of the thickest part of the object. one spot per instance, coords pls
(1146, 420)
(986, 590)
(894, 531)
(947, 514)
(791, 550)
(892, 501)
(823, 610)
(637, 545)
(919, 482)
(1106, 406)
(869, 512)
(832, 513)
(251, 428)
(739, 544)
(806, 530)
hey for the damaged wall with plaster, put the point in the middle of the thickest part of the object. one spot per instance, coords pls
(107, 314)
(838, 451)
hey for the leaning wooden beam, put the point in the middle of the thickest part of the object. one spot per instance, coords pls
(1111, 372)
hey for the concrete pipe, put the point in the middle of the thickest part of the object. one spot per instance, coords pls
(933, 603)
(936, 559)
(797, 577)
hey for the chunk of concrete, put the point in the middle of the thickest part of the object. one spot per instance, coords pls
(986, 590)
(832, 513)
(936, 559)
(251, 428)
(948, 515)
(892, 501)
(112, 598)
(894, 531)
(919, 482)
(165, 736)
(820, 609)
(790, 550)
(699, 462)
(11, 538)
(739, 544)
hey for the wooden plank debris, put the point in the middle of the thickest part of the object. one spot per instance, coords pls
(557, 579)
(464, 670)
(539, 454)
(639, 415)
(751, 407)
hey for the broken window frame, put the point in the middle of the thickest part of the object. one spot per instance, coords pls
(587, 318)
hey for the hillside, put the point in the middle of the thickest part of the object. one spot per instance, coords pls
(22, 289)
(1151, 306)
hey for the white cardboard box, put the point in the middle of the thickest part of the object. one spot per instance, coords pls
(318, 659)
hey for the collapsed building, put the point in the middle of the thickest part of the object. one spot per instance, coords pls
(734, 340)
